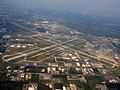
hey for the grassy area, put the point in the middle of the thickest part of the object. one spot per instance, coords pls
(11, 56)
(11, 51)
(81, 85)
(38, 58)
(86, 86)
(78, 46)
(105, 63)
(3, 65)
(116, 71)
(107, 60)
(16, 60)
(35, 53)
(14, 28)
(93, 80)
(35, 78)
(89, 38)
(60, 78)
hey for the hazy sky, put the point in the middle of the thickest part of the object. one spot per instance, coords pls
(101, 7)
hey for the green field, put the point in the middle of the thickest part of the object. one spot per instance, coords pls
(35, 53)
(116, 71)
(16, 60)
(37, 58)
